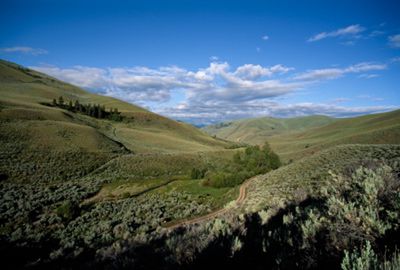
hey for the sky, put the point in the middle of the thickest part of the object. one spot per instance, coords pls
(205, 62)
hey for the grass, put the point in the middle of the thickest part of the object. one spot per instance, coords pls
(256, 130)
(22, 90)
(216, 197)
(294, 138)
(370, 129)
(275, 189)
(37, 140)
(125, 189)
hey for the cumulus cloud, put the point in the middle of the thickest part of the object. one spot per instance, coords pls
(141, 84)
(333, 73)
(216, 92)
(394, 41)
(24, 50)
(250, 71)
(349, 31)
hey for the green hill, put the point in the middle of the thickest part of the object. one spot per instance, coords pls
(294, 138)
(380, 128)
(37, 140)
(255, 130)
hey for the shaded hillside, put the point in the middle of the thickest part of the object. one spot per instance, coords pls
(255, 130)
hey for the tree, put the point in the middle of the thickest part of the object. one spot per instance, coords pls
(61, 101)
(54, 102)
(77, 106)
(99, 112)
(70, 107)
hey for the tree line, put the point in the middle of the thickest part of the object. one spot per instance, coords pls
(93, 110)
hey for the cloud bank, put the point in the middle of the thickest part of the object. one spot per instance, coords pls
(217, 92)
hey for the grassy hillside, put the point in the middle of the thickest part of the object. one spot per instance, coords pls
(294, 138)
(37, 140)
(255, 130)
(22, 91)
(380, 128)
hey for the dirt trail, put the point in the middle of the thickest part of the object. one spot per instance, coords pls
(239, 200)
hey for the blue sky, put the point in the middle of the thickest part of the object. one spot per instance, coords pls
(209, 61)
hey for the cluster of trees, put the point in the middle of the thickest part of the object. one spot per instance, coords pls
(245, 164)
(95, 110)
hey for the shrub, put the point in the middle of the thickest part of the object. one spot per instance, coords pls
(68, 210)
(366, 259)
(254, 160)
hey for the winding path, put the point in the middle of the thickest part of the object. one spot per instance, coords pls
(239, 200)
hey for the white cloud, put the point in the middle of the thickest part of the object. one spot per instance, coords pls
(349, 31)
(265, 37)
(340, 100)
(394, 41)
(209, 114)
(250, 71)
(216, 92)
(25, 50)
(368, 76)
(142, 84)
(333, 73)
(376, 33)
(370, 98)
(214, 58)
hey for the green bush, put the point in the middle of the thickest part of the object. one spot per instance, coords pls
(197, 173)
(252, 161)
(366, 259)
(68, 210)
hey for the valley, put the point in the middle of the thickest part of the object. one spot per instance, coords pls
(83, 191)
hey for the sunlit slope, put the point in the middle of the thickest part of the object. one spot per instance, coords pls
(383, 128)
(302, 176)
(255, 130)
(39, 140)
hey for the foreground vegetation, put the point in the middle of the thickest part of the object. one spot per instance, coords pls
(329, 209)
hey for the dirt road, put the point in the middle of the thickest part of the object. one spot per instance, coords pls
(239, 200)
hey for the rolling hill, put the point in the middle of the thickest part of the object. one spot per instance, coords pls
(294, 138)
(38, 139)
(255, 130)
